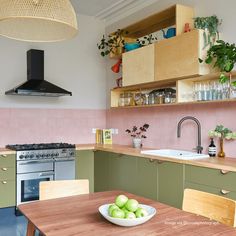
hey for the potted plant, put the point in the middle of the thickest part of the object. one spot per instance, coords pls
(210, 26)
(223, 56)
(222, 133)
(138, 134)
(114, 43)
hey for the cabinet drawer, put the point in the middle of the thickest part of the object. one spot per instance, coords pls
(221, 192)
(7, 173)
(7, 160)
(211, 177)
(7, 193)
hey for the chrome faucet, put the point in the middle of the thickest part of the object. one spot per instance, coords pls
(199, 148)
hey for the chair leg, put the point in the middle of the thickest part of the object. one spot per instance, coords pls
(30, 229)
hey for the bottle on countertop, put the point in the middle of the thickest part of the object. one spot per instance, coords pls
(212, 149)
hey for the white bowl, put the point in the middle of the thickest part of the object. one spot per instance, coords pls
(128, 222)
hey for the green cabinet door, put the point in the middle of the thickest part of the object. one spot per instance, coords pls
(84, 167)
(101, 171)
(122, 172)
(170, 183)
(7, 193)
(7, 180)
(146, 178)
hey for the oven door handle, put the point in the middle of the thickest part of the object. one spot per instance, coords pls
(46, 174)
(63, 160)
(36, 162)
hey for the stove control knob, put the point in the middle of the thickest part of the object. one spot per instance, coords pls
(31, 156)
(21, 156)
(27, 156)
(72, 153)
(43, 155)
(37, 156)
(57, 154)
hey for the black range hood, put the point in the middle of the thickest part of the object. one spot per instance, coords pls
(35, 84)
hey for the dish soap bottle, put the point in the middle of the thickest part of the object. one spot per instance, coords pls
(212, 149)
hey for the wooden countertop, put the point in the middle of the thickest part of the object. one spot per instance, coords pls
(228, 164)
(79, 215)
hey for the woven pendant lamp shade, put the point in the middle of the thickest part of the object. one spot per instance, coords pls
(38, 20)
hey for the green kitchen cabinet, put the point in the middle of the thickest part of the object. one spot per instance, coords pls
(101, 171)
(84, 167)
(7, 180)
(214, 181)
(146, 180)
(122, 172)
(170, 183)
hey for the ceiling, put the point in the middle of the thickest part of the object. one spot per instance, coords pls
(109, 10)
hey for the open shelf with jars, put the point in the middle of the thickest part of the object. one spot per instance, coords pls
(197, 90)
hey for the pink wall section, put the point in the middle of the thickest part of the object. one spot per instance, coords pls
(49, 125)
(163, 125)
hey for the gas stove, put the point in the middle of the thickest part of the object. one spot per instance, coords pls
(43, 151)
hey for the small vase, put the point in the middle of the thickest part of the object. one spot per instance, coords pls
(221, 153)
(137, 142)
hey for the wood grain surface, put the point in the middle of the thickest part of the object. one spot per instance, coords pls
(79, 215)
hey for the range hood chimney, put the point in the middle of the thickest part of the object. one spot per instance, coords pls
(35, 84)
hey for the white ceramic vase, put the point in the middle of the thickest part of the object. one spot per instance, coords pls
(137, 142)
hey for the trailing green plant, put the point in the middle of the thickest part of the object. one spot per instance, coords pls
(223, 57)
(210, 26)
(110, 43)
(147, 40)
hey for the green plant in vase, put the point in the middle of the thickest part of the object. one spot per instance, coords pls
(223, 56)
(222, 133)
(210, 26)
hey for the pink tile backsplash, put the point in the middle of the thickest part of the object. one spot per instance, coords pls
(49, 125)
(75, 125)
(163, 125)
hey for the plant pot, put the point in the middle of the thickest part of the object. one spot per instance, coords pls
(137, 142)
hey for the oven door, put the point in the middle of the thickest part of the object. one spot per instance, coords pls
(28, 185)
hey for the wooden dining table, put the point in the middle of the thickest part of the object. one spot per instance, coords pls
(79, 215)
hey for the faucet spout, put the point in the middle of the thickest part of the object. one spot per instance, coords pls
(199, 148)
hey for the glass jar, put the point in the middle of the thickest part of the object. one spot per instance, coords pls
(151, 99)
(121, 102)
(139, 99)
(160, 98)
(168, 97)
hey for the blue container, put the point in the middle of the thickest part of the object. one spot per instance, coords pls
(131, 46)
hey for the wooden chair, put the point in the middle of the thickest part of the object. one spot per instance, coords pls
(62, 188)
(212, 206)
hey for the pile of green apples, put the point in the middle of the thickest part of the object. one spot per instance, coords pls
(125, 208)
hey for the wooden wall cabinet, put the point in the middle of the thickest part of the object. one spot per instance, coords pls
(169, 59)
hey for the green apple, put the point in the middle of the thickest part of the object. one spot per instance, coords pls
(130, 215)
(132, 205)
(118, 213)
(121, 200)
(141, 212)
(124, 210)
(111, 208)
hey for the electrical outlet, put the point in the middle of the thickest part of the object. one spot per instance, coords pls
(94, 130)
(114, 131)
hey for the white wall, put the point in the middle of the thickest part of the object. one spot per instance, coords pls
(74, 65)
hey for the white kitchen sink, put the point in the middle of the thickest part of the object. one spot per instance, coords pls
(176, 154)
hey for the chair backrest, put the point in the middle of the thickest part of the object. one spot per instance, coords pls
(211, 206)
(62, 188)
